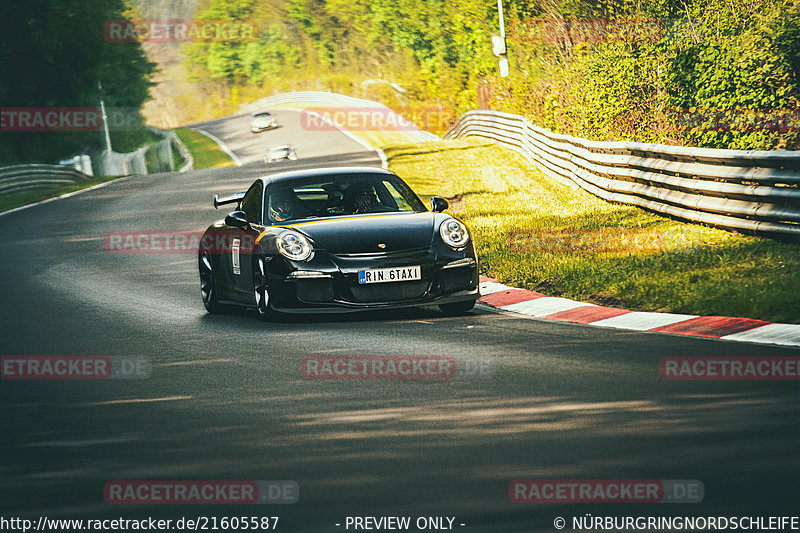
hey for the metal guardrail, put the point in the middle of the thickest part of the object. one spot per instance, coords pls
(743, 190)
(21, 178)
(319, 98)
(165, 148)
(185, 153)
(149, 159)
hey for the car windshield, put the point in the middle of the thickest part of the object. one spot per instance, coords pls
(262, 115)
(335, 196)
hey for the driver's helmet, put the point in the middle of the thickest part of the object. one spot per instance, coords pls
(282, 205)
(364, 198)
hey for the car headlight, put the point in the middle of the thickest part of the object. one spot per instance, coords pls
(294, 246)
(454, 233)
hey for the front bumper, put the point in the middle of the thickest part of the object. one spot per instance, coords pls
(446, 278)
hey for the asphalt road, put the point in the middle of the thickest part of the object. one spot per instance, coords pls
(227, 401)
(313, 145)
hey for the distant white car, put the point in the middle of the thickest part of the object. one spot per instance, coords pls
(262, 120)
(276, 153)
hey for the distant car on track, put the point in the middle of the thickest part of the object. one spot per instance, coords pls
(276, 153)
(262, 120)
(334, 240)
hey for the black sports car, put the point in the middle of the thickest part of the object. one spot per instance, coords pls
(336, 239)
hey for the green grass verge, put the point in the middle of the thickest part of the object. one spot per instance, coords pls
(10, 201)
(177, 157)
(206, 153)
(534, 232)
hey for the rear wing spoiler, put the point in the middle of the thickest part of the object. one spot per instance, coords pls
(233, 198)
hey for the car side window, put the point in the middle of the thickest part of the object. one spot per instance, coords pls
(399, 201)
(251, 203)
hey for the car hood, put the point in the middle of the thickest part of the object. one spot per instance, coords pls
(360, 234)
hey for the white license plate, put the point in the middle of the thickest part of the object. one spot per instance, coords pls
(386, 275)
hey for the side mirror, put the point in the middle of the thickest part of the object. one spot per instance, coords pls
(438, 204)
(237, 219)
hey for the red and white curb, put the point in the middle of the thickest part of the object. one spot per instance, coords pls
(539, 305)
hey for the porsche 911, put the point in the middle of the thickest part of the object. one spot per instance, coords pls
(277, 153)
(336, 240)
(261, 121)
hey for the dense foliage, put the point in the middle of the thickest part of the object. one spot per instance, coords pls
(718, 73)
(433, 49)
(52, 55)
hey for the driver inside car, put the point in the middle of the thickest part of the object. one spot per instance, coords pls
(364, 200)
(283, 206)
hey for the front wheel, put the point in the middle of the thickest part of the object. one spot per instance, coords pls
(458, 308)
(261, 289)
(208, 285)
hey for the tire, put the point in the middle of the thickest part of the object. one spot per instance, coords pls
(261, 288)
(458, 308)
(208, 283)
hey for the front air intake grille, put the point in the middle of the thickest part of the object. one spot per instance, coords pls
(315, 290)
(390, 292)
(456, 279)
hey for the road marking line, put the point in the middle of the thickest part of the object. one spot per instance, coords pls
(222, 145)
(68, 195)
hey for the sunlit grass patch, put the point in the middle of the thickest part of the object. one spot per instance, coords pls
(534, 232)
(206, 153)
